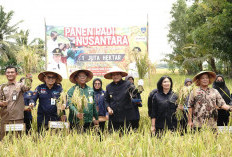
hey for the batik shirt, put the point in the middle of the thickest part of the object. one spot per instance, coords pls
(205, 105)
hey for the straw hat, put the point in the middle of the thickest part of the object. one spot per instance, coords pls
(115, 70)
(43, 74)
(212, 76)
(75, 73)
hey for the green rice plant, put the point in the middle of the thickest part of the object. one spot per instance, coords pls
(183, 93)
(137, 144)
(27, 58)
(80, 101)
(61, 103)
(142, 63)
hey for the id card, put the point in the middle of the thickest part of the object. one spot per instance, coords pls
(53, 101)
(14, 97)
(90, 99)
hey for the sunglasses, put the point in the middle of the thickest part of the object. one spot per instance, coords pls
(82, 76)
(51, 77)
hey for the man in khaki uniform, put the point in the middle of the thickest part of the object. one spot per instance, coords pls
(11, 99)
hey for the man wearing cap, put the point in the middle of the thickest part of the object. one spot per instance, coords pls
(47, 93)
(80, 78)
(11, 99)
(118, 100)
(204, 101)
(56, 64)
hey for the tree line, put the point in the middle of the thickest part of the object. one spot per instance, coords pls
(14, 42)
(201, 36)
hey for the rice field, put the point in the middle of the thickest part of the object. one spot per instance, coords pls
(140, 143)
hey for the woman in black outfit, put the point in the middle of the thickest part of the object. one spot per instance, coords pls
(164, 107)
(219, 84)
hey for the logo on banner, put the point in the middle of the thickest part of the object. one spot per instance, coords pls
(143, 29)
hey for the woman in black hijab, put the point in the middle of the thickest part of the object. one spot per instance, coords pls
(137, 102)
(219, 84)
(99, 94)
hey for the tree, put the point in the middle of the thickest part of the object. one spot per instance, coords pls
(179, 36)
(36, 44)
(29, 53)
(7, 35)
(201, 33)
(22, 38)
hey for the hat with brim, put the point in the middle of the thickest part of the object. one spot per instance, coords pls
(73, 76)
(108, 75)
(43, 74)
(212, 77)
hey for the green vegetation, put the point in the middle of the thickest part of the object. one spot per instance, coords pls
(201, 33)
(13, 42)
(138, 144)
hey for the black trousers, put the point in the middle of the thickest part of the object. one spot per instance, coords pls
(160, 131)
(123, 126)
(134, 124)
(102, 126)
(184, 123)
(223, 118)
(28, 124)
(41, 127)
(86, 126)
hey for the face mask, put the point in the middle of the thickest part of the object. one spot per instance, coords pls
(220, 83)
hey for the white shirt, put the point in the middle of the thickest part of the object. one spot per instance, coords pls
(51, 45)
(59, 68)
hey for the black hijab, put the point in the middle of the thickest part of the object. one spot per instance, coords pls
(97, 79)
(129, 76)
(222, 89)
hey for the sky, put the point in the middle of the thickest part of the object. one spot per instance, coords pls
(96, 13)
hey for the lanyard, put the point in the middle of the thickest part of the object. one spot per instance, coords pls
(225, 93)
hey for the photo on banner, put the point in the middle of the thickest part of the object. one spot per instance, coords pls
(94, 48)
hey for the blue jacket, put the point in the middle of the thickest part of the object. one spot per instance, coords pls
(99, 97)
(27, 100)
(46, 110)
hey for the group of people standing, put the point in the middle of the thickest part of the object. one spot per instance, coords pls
(118, 104)
(204, 106)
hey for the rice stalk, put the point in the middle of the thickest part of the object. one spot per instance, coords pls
(27, 58)
(142, 64)
(183, 94)
(80, 101)
(61, 103)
